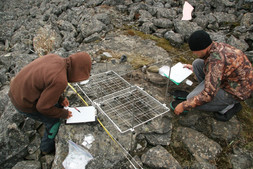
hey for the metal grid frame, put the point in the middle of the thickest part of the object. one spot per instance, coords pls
(126, 106)
(130, 108)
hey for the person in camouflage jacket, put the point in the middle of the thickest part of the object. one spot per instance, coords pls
(225, 75)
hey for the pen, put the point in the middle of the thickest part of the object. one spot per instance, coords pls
(77, 109)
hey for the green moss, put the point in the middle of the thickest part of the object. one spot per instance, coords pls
(181, 54)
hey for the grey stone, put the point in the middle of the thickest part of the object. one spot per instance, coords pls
(247, 20)
(145, 16)
(147, 27)
(28, 165)
(218, 37)
(224, 18)
(47, 161)
(198, 144)
(34, 144)
(225, 131)
(240, 44)
(175, 39)
(159, 139)
(203, 164)
(163, 23)
(89, 27)
(249, 54)
(66, 26)
(201, 20)
(166, 13)
(186, 28)
(92, 38)
(241, 159)
(4, 98)
(103, 17)
(159, 157)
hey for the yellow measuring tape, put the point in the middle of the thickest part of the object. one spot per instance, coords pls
(77, 94)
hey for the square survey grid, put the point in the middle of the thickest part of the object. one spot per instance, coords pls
(126, 106)
(130, 108)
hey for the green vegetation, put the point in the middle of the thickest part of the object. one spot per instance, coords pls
(181, 54)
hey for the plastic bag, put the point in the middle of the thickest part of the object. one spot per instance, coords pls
(77, 157)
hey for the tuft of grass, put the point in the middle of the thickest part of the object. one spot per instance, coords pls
(44, 41)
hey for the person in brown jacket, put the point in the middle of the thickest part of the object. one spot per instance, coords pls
(36, 91)
(225, 78)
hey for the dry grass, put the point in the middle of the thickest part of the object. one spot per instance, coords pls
(44, 42)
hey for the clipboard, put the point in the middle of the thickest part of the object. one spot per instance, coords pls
(178, 72)
(82, 114)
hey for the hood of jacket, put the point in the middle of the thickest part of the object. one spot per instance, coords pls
(78, 67)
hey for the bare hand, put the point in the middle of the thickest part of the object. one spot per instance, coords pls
(188, 66)
(69, 114)
(179, 109)
(65, 102)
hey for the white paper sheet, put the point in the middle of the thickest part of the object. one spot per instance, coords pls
(178, 72)
(187, 11)
(86, 114)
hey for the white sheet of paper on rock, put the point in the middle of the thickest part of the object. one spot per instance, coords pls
(187, 11)
(86, 114)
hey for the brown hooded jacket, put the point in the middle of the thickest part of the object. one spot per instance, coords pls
(39, 85)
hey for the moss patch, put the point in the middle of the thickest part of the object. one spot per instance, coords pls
(182, 54)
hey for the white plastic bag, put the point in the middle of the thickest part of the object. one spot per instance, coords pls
(77, 157)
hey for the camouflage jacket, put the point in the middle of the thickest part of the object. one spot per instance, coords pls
(228, 68)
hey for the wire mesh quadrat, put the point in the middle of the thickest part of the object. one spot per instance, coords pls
(126, 106)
